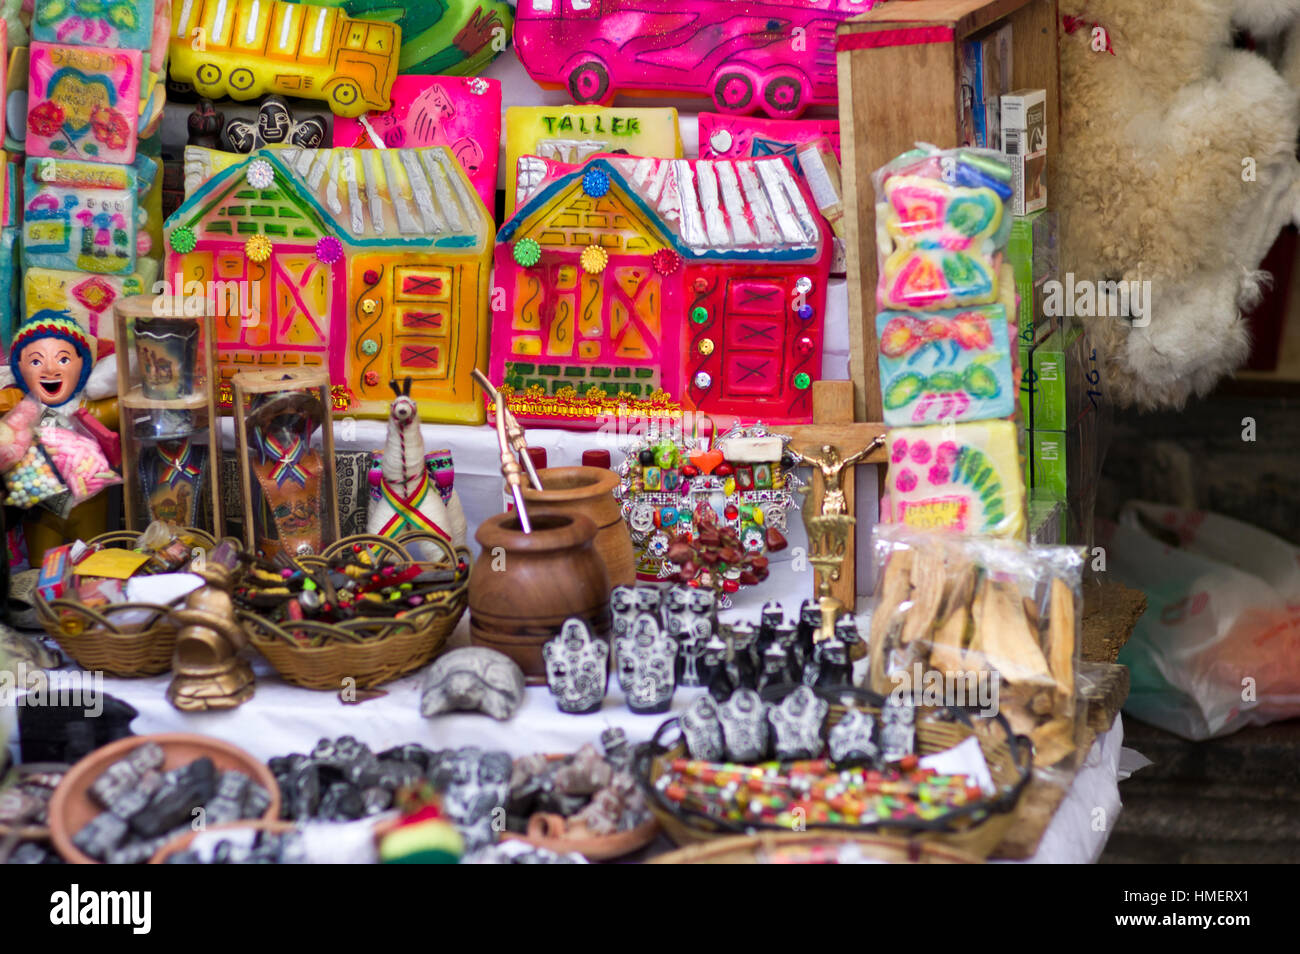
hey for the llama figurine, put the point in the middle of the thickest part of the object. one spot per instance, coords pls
(408, 498)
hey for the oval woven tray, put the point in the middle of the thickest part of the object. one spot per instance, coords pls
(369, 652)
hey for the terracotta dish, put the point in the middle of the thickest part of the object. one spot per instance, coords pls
(72, 808)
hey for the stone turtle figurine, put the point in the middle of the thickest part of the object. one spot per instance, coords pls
(473, 679)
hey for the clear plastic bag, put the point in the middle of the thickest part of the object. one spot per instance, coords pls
(941, 227)
(1219, 645)
(30, 477)
(79, 459)
(991, 624)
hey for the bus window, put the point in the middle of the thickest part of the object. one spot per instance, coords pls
(318, 34)
(191, 14)
(250, 25)
(286, 29)
(581, 6)
(541, 6)
(356, 37)
(218, 18)
(380, 38)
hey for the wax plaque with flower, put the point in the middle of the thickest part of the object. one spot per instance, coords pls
(83, 102)
(707, 514)
(166, 374)
(284, 434)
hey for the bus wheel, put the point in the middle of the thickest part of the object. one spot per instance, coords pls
(783, 96)
(733, 91)
(206, 78)
(241, 80)
(346, 95)
(589, 82)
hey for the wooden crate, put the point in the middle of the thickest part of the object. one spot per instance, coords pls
(899, 83)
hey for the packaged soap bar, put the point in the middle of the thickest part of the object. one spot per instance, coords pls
(964, 477)
(946, 366)
(941, 228)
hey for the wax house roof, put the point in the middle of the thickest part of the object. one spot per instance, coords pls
(379, 197)
(710, 207)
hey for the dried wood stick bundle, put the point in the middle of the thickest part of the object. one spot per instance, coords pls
(947, 653)
(1008, 642)
(895, 590)
(928, 578)
(1053, 741)
(1060, 636)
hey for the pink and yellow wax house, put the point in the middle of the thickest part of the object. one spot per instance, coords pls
(629, 285)
(372, 263)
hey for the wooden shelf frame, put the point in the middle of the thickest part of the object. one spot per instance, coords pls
(898, 85)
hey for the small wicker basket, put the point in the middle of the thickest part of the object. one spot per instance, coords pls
(368, 651)
(99, 640)
(973, 830)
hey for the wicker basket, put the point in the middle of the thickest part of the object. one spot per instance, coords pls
(975, 830)
(97, 640)
(815, 847)
(369, 651)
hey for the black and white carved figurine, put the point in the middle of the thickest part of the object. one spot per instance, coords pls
(797, 725)
(475, 786)
(898, 728)
(647, 666)
(703, 730)
(622, 609)
(713, 668)
(852, 740)
(577, 668)
(689, 615)
(770, 618)
(775, 666)
(744, 726)
(810, 623)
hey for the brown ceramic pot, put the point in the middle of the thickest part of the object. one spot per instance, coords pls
(589, 491)
(521, 594)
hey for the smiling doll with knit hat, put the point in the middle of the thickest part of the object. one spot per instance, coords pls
(51, 359)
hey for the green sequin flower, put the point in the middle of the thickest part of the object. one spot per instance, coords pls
(183, 240)
(527, 252)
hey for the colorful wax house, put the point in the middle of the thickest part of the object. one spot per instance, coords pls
(632, 284)
(372, 263)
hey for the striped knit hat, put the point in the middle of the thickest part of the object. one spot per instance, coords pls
(48, 323)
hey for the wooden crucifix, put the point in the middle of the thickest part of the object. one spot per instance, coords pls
(833, 426)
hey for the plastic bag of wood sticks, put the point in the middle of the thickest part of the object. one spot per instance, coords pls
(988, 624)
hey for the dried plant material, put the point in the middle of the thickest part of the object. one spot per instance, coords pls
(1020, 720)
(1040, 704)
(928, 579)
(947, 653)
(1009, 644)
(1031, 611)
(895, 590)
(976, 645)
(1053, 741)
(1060, 636)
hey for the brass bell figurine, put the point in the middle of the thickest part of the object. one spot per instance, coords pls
(207, 671)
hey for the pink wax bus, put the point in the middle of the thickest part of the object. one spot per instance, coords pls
(748, 55)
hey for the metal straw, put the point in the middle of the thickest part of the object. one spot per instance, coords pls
(513, 431)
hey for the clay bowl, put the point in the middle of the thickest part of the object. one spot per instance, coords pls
(72, 808)
(589, 491)
(545, 831)
(181, 842)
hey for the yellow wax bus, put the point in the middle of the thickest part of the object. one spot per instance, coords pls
(246, 48)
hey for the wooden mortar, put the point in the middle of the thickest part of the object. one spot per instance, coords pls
(589, 491)
(525, 585)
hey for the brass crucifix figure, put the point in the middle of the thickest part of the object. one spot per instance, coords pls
(833, 467)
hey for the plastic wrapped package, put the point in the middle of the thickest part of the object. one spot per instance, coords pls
(29, 475)
(941, 228)
(79, 459)
(989, 623)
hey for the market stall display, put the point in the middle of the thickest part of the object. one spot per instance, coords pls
(354, 338)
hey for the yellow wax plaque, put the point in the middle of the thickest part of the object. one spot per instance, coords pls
(572, 133)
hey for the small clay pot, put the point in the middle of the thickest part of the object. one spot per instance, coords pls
(589, 491)
(525, 585)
